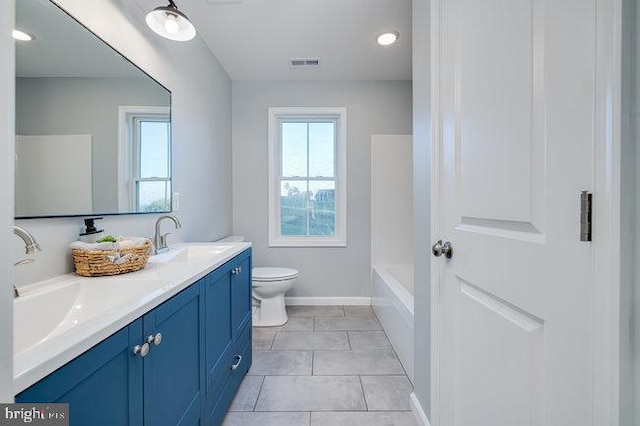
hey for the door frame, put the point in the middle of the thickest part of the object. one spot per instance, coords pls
(606, 215)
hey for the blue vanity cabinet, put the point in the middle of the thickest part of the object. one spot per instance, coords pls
(111, 385)
(103, 387)
(199, 349)
(228, 333)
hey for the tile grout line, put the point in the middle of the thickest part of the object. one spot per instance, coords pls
(364, 397)
(273, 340)
(313, 358)
(255, 404)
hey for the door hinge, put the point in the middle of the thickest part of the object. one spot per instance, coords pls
(586, 207)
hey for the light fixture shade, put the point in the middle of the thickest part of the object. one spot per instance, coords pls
(169, 22)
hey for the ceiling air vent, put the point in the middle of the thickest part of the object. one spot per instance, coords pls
(304, 63)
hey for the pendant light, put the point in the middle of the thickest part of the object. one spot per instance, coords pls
(169, 22)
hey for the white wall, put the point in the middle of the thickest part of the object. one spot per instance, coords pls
(85, 106)
(201, 114)
(391, 200)
(422, 203)
(373, 107)
(7, 117)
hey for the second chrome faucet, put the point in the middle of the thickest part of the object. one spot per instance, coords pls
(160, 240)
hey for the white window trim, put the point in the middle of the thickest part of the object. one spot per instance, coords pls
(340, 237)
(126, 202)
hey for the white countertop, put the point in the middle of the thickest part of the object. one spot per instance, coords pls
(88, 310)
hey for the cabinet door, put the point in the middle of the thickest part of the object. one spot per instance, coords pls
(103, 386)
(173, 368)
(219, 342)
(241, 293)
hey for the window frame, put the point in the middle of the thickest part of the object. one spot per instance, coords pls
(307, 114)
(129, 153)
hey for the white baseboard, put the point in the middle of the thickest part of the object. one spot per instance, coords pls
(418, 412)
(327, 301)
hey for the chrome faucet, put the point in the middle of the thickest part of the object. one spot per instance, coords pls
(161, 239)
(30, 245)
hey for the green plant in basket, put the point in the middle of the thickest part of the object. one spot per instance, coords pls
(107, 239)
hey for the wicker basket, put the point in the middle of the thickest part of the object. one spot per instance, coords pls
(94, 263)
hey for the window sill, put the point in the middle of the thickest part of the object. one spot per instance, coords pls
(308, 242)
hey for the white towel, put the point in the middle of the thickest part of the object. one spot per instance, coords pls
(94, 246)
(121, 243)
(129, 242)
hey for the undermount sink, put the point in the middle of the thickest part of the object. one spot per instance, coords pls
(193, 253)
(44, 313)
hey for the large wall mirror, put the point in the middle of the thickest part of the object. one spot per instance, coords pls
(93, 131)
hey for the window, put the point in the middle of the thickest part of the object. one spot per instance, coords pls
(145, 166)
(307, 169)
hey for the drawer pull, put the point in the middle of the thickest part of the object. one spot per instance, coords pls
(141, 350)
(237, 364)
(156, 340)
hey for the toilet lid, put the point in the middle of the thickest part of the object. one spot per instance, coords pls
(273, 274)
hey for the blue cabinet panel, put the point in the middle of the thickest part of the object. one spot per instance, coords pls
(172, 369)
(102, 386)
(219, 333)
(218, 315)
(243, 349)
(233, 346)
(241, 293)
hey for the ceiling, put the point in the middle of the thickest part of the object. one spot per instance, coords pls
(256, 39)
(62, 47)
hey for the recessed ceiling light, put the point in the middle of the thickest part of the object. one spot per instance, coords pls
(21, 35)
(388, 38)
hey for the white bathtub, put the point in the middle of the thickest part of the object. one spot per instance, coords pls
(392, 300)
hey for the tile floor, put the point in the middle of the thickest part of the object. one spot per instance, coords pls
(328, 366)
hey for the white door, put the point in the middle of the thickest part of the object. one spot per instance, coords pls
(514, 106)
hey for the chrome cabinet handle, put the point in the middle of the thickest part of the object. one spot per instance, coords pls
(141, 350)
(237, 364)
(156, 340)
(440, 248)
(236, 271)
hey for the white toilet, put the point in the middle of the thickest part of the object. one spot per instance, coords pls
(268, 288)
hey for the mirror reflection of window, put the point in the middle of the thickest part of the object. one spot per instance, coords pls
(145, 155)
(153, 163)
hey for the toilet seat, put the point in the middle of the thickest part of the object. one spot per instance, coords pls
(273, 274)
